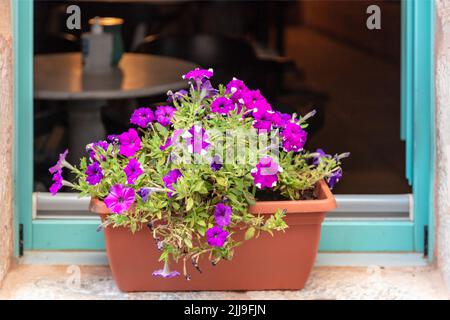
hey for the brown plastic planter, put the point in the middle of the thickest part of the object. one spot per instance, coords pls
(265, 263)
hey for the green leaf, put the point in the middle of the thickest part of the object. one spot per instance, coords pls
(189, 204)
(250, 233)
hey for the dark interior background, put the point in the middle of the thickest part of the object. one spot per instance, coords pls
(303, 55)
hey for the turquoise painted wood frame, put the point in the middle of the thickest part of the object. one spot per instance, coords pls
(417, 129)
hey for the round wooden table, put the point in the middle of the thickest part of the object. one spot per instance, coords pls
(60, 77)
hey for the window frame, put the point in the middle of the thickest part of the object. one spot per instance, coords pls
(417, 129)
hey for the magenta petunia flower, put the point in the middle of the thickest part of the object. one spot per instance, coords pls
(216, 163)
(265, 174)
(250, 97)
(93, 150)
(60, 163)
(94, 174)
(165, 272)
(164, 115)
(142, 117)
(198, 74)
(222, 105)
(294, 137)
(216, 236)
(236, 85)
(197, 140)
(170, 178)
(222, 215)
(133, 170)
(120, 198)
(129, 142)
(172, 140)
(280, 120)
(263, 115)
(334, 178)
(57, 182)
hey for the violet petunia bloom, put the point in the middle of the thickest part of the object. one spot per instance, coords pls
(334, 178)
(222, 215)
(164, 115)
(216, 236)
(170, 178)
(120, 198)
(133, 170)
(263, 115)
(93, 150)
(172, 140)
(177, 96)
(319, 154)
(94, 174)
(60, 163)
(144, 193)
(197, 140)
(57, 182)
(222, 105)
(129, 142)
(165, 272)
(294, 137)
(265, 174)
(142, 117)
(207, 90)
(198, 74)
(216, 163)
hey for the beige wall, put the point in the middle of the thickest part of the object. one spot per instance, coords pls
(6, 134)
(442, 201)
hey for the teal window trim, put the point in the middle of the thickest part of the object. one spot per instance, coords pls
(418, 131)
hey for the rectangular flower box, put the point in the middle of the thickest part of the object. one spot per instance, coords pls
(281, 262)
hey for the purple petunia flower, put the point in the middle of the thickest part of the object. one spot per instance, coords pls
(57, 182)
(198, 74)
(320, 154)
(222, 215)
(216, 236)
(265, 174)
(263, 115)
(222, 105)
(294, 137)
(142, 117)
(177, 96)
(170, 178)
(129, 142)
(60, 163)
(172, 140)
(164, 115)
(120, 198)
(216, 163)
(197, 140)
(334, 178)
(207, 90)
(144, 193)
(165, 272)
(133, 170)
(94, 174)
(93, 149)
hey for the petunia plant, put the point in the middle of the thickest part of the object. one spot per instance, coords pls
(188, 171)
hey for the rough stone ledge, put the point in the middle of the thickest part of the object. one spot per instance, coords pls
(60, 282)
